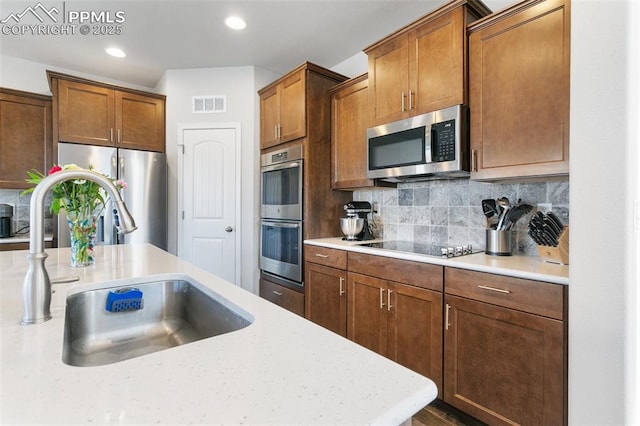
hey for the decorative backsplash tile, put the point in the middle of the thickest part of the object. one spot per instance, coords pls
(21, 203)
(449, 212)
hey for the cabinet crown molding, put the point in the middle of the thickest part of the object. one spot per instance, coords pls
(475, 6)
(308, 66)
(54, 75)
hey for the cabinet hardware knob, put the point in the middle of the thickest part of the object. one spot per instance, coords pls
(341, 286)
(228, 229)
(499, 290)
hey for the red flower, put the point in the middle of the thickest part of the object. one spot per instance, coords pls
(54, 169)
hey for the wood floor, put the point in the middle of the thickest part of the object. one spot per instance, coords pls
(439, 414)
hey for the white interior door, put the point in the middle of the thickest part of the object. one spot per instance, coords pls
(210, 192)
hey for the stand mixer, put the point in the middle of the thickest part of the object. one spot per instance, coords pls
(355, 226)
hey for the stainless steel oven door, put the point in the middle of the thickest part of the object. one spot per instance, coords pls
(282, 191)
(281, 249)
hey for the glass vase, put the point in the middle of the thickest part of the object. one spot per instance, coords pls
(82, 226)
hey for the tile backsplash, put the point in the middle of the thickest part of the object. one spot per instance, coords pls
(21, 204)
(449, 212)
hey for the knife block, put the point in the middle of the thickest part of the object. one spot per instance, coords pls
(559, 254)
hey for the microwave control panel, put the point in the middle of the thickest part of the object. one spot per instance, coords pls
(443, 141)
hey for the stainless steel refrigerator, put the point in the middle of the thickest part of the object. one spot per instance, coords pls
(146, 196)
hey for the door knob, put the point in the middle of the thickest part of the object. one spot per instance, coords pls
(228, 229)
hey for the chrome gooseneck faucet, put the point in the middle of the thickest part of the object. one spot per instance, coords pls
(36, 290)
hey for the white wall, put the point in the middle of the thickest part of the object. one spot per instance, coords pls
(603, 295)
(240, 85)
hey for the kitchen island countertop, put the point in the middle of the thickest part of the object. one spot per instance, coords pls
(528, 267)
(281, 369)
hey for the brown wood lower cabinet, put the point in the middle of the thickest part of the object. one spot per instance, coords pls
(504, 365)
(400, 321)
(326, 297)
(282, 296)
(495, 346)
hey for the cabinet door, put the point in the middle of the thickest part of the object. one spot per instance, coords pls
(415, 330)
(86, 113)
(503, 366)
(326, 297)
(292, 107)
(139, 122)
(25, 138)
(269, 118)
(388, 81)
(437, 63)
(350, 114)
(519, 94)
(366, 313)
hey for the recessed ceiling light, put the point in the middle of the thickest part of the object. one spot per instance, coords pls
(116, 52)
(235, 22)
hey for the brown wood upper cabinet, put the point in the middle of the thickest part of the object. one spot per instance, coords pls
(282, 110)
(505, 348)
(25, 136)
(350, 116)
(519, 91)
(92, 113)
(422, 67)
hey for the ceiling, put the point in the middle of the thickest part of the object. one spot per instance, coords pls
(158, 35)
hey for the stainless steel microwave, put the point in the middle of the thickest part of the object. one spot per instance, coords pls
(428, 146)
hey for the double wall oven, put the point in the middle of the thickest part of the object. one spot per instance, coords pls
(281, 215)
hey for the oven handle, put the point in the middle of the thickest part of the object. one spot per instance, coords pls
(290, 165)
(281, 224)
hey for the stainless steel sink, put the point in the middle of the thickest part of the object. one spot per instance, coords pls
(170, 313)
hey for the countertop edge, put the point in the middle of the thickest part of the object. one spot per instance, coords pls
(479, 262)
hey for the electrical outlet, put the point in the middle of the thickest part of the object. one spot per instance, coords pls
(544, 207)
(375, 208)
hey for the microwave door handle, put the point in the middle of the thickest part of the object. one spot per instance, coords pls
(431, 145)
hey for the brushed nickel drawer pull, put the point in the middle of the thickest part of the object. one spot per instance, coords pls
(325, 256)
(381, 298)
(499, 290)
(402, 102)
(446, 316)
(277, 293)
(341, 286)
(389, 300)
(474, 160)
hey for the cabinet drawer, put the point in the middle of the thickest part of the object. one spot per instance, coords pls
(326, 256)
(286, 298)
(404, 271)
(535, 297)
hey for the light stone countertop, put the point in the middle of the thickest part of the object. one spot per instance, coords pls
(528, 267)
(281, 369)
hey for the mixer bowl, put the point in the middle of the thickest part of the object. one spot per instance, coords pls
(351, 226)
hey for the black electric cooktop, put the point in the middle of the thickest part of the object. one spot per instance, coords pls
(424, 249)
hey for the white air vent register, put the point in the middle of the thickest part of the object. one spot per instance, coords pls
(206, 104)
